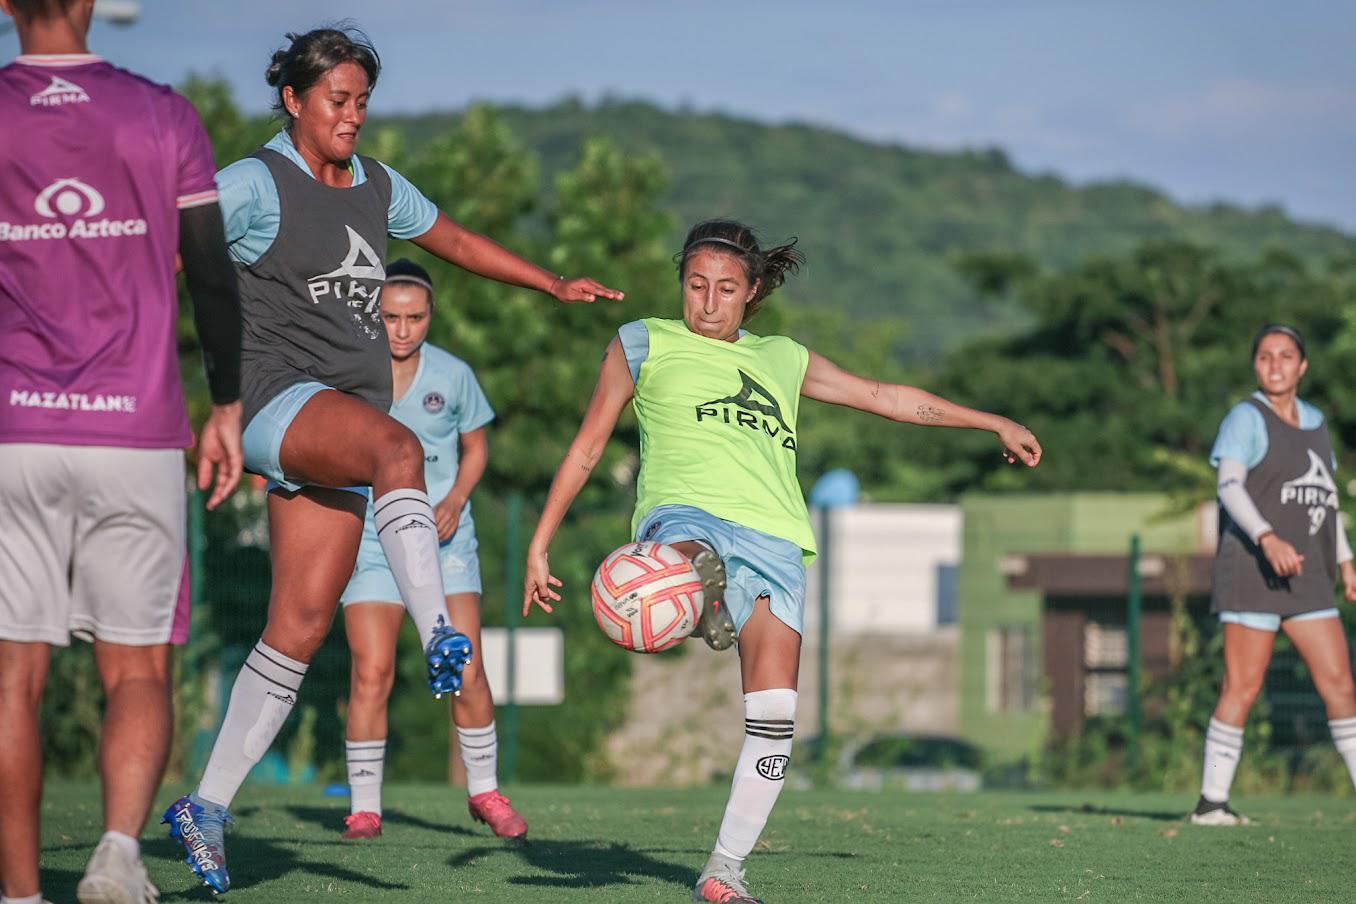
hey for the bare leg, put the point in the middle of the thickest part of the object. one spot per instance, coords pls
(23, 673)
(1247, 653)
(314, 535)
(372, 630)
(1323, 644)
(475, 707)
(138, 723)
(338, 441)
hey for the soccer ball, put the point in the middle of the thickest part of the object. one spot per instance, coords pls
(646, 597)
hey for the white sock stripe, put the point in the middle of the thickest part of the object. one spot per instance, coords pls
(1217, 725)
(404, 494)
(365, 745)
(476, 732)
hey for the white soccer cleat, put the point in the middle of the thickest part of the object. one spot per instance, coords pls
(113, 878)
(1209, 813)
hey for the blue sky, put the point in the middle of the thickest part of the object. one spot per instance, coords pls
(1248, 101)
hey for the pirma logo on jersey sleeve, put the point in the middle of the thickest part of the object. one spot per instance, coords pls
(58, 93)
(357, 282)
(70, 208)
(753, 408)
(1314, 488)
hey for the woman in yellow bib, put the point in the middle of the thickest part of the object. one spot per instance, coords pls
(717, 408)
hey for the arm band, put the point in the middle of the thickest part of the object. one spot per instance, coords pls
(210, 277)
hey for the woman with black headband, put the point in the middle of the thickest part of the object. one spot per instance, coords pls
(1281, 545)
(307, 221)
(717, 408)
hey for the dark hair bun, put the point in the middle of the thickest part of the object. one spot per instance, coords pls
(273, 74)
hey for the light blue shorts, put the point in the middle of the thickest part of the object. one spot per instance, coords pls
(756, 564)
(1267, 621)
(263, 437)
(372, 580)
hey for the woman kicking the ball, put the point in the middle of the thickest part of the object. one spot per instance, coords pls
(717, 408)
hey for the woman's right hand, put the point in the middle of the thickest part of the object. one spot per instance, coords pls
(1282, 557)
(581, 289)
(539, 581)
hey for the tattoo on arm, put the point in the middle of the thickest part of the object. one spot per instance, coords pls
(930, 414)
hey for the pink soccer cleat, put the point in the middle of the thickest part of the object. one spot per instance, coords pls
(493, 809)
(363, 824)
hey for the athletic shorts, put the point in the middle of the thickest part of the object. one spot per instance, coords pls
(263, 436)
(373, 581)
(1269, 621)
(92, 544)
(756, 564)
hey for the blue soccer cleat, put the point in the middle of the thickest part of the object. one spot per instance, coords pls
(200, 827)
(446, 653)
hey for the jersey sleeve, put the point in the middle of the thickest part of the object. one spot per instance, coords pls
(195, 184)
(473, 409)
(1242, 437)
(411, 214)
(635, 342)
(247, 194)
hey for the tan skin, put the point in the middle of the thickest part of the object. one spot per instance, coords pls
(135, 739)
(336, 439)
(372, 627)
(1279, 367)
(716, 291)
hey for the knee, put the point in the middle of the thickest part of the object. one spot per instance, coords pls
(1241, 692)
(22, 676)
(373, 678)
(400, 449)
(1335, 686)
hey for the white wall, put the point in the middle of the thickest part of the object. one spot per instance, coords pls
(884, 562)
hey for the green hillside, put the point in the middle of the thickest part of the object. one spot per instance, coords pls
(882, 224)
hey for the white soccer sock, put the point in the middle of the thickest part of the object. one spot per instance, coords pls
(27, 899)
(1223, 747)
(480, 754)
(769, 724)
(366, 762)
(409, 537)
(1344, 739)
(264, 693)
(130, 847)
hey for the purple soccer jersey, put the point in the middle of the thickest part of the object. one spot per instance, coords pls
(97, 163)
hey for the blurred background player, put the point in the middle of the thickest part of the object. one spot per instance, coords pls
(722, 488)
(1281, 546)
(437, 396)
(103, 178)
(307, 220)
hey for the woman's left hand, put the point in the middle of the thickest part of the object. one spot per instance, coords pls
(582, 289)
(1349, 580)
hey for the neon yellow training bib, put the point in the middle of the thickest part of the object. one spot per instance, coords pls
(718, 429)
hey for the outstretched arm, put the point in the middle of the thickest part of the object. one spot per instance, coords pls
(827, 382)
(613, 391)
(472, 251)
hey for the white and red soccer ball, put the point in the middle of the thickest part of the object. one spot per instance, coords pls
(646, 597)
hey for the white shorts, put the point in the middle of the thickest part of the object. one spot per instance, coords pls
(92, 544)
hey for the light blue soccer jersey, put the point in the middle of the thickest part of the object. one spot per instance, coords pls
(1243, 434)
(442, 403)
(250, 206)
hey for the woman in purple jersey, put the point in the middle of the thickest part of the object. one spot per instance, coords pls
(308, 219)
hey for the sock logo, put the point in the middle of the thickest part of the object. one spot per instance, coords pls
(361, 773)
(773, 768)
(285, 698)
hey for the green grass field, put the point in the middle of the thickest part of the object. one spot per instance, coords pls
(605, 845)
